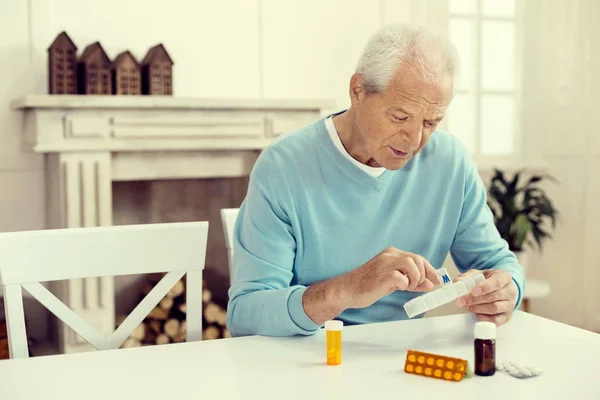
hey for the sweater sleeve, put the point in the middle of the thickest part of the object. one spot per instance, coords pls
(262, 298)
(477, 244)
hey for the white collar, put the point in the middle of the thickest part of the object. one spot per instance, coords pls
(373, 171)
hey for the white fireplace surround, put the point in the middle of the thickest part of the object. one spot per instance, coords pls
(90, 141)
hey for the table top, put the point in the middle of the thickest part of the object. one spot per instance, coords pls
(294, 368)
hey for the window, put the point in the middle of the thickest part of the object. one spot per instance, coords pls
(483, 113)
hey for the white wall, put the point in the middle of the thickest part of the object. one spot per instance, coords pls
(21, 176)
(307, 49)
(232, 48)
(209, 41)
(562, 53)
(561, 50)
(21, 181)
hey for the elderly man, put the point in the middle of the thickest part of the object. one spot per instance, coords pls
(348, 217)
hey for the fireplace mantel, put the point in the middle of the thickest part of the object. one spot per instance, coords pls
(152, 137)
(90, 141)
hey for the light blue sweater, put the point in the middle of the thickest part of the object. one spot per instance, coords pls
(310, 214)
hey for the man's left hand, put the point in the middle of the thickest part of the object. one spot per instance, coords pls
(491, 300)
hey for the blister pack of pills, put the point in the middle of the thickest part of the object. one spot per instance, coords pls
(518, 371)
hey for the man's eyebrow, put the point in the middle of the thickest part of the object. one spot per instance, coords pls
(402, 110)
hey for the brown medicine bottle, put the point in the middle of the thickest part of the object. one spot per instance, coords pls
(485, 348)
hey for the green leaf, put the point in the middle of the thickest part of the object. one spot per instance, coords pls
(531, 194)
(551, 178)
(530, 182)
(511, 189)
(539, 234)
(523, 226)
(499, 177)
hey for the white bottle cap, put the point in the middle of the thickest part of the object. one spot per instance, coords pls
(485, 330)
(334, 325)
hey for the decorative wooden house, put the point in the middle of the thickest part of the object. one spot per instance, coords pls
(157, 72)
(93, 71)
(62, 65)
(126, 75)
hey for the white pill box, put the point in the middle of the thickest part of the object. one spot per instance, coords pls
(441, 296)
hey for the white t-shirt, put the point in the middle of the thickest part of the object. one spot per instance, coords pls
(373, 171)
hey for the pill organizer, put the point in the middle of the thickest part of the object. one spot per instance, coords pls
(445, 294)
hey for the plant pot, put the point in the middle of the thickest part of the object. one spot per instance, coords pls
(523, 259)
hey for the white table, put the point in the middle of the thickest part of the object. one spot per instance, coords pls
(294, 368)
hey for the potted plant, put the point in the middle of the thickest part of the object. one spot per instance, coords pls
(521, 211)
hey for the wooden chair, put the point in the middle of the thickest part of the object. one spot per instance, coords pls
(29, 258)
(228, 218)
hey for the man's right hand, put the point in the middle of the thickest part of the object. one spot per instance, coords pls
(388, 271)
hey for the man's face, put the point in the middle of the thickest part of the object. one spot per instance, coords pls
(396, 124)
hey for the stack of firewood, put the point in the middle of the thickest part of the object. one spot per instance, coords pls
(166, 323)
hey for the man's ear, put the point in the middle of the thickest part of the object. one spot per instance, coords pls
(357, 89)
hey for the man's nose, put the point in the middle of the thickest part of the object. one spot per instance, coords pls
(413, 132)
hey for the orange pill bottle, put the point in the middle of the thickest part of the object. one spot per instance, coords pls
(333, 330)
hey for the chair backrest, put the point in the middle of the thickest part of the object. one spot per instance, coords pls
(29, 258)
(228, 218)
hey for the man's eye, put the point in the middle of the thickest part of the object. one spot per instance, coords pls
(430, 123)
(399, 118)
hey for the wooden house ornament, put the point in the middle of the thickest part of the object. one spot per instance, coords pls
(62, 65)
(157, 72)
(94, 70)
(126, 75)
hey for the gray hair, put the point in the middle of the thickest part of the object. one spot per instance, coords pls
(430, 53)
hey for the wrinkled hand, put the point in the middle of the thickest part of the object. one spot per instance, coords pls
(388, 271)
(491, 300)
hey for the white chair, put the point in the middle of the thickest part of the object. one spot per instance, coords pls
(29, 258)
(228, 218)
